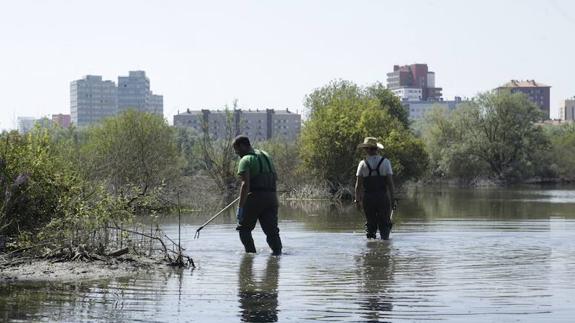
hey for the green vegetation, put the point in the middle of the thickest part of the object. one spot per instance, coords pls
(341, 115)
(494, 136)
(70, 186)
(133, 154)
(562, 162)
(45, 195)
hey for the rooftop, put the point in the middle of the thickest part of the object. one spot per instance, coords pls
(526, 83)
(245, 111)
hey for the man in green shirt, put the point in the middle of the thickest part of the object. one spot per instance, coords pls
(258, 199)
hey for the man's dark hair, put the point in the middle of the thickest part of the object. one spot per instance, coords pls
(241, 140)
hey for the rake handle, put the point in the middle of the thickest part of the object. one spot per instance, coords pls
(215, 216)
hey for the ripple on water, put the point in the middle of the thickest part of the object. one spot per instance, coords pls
(446, 269)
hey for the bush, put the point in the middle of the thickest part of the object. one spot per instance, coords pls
(45, 196)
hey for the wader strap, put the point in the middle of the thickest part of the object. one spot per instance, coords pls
(271, 170)
(259, 160)
(261, 165)
(376, 169)
(379, 165)
(368, 167)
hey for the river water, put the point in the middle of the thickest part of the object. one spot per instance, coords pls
(456, 255)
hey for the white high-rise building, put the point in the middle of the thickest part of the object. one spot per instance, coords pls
(408, 93)
(92, 100)
(567, 110)
(25, 124)
(156, 104)
(134, 93)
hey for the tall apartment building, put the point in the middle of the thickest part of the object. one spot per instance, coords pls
(257, 124)
(92, 100)
(134, 93)
(25, 124)
(413, 83)
(567, 110)
(418, 109)
(62, 120)
(285, 125)
(538, 93)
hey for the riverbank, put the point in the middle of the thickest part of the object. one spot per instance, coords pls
(38, 269)
(488, 182)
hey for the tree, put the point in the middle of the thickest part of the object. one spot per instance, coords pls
(134, 153)
(218, 156)
(494, 135)
(562, 154)
(341, 115)
(187, 143)
(284, 156)
(390, 102)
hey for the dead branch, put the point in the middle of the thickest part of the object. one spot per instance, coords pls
(147, 236)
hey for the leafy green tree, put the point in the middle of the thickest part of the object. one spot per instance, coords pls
(341, 115)
(495, 135)
(134, 153)
(390, 102)
(284, 155)
(187, 143)
(562, 154)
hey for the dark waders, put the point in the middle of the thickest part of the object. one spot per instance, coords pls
(376, 203)
(261, 204)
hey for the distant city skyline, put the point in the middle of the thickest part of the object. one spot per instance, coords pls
(207, 54)
(93, 99)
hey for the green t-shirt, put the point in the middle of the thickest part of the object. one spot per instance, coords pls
(250, 162)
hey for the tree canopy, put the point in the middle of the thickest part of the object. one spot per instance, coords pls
(341, 115)
(134, 149)
(494, 135)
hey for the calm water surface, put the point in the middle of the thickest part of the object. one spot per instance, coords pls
(487, 255)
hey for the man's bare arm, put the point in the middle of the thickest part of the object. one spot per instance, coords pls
(244, 188)
(359, 188)
(390, 187)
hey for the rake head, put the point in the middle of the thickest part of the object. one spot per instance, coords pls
(197, 234)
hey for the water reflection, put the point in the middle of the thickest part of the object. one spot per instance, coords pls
(491, 255)
(258, 299)
(376, 278)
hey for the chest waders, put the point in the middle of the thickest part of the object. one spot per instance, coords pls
(261, 204)
(376, 203)
(263, 181)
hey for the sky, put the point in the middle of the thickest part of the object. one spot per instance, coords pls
(270, 54)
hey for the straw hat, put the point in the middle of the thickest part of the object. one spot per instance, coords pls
(370, 142)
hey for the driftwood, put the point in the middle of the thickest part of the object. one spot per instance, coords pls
(177, 262)
(51, 251)
(118, 253)
(147, 236)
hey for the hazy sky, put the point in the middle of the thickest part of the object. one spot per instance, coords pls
(270, 54)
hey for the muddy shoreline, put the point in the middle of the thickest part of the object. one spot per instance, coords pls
(39, 269)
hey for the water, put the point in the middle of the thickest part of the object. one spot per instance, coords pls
(491, 255)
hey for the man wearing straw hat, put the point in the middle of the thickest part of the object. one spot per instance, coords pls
(374, 189)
